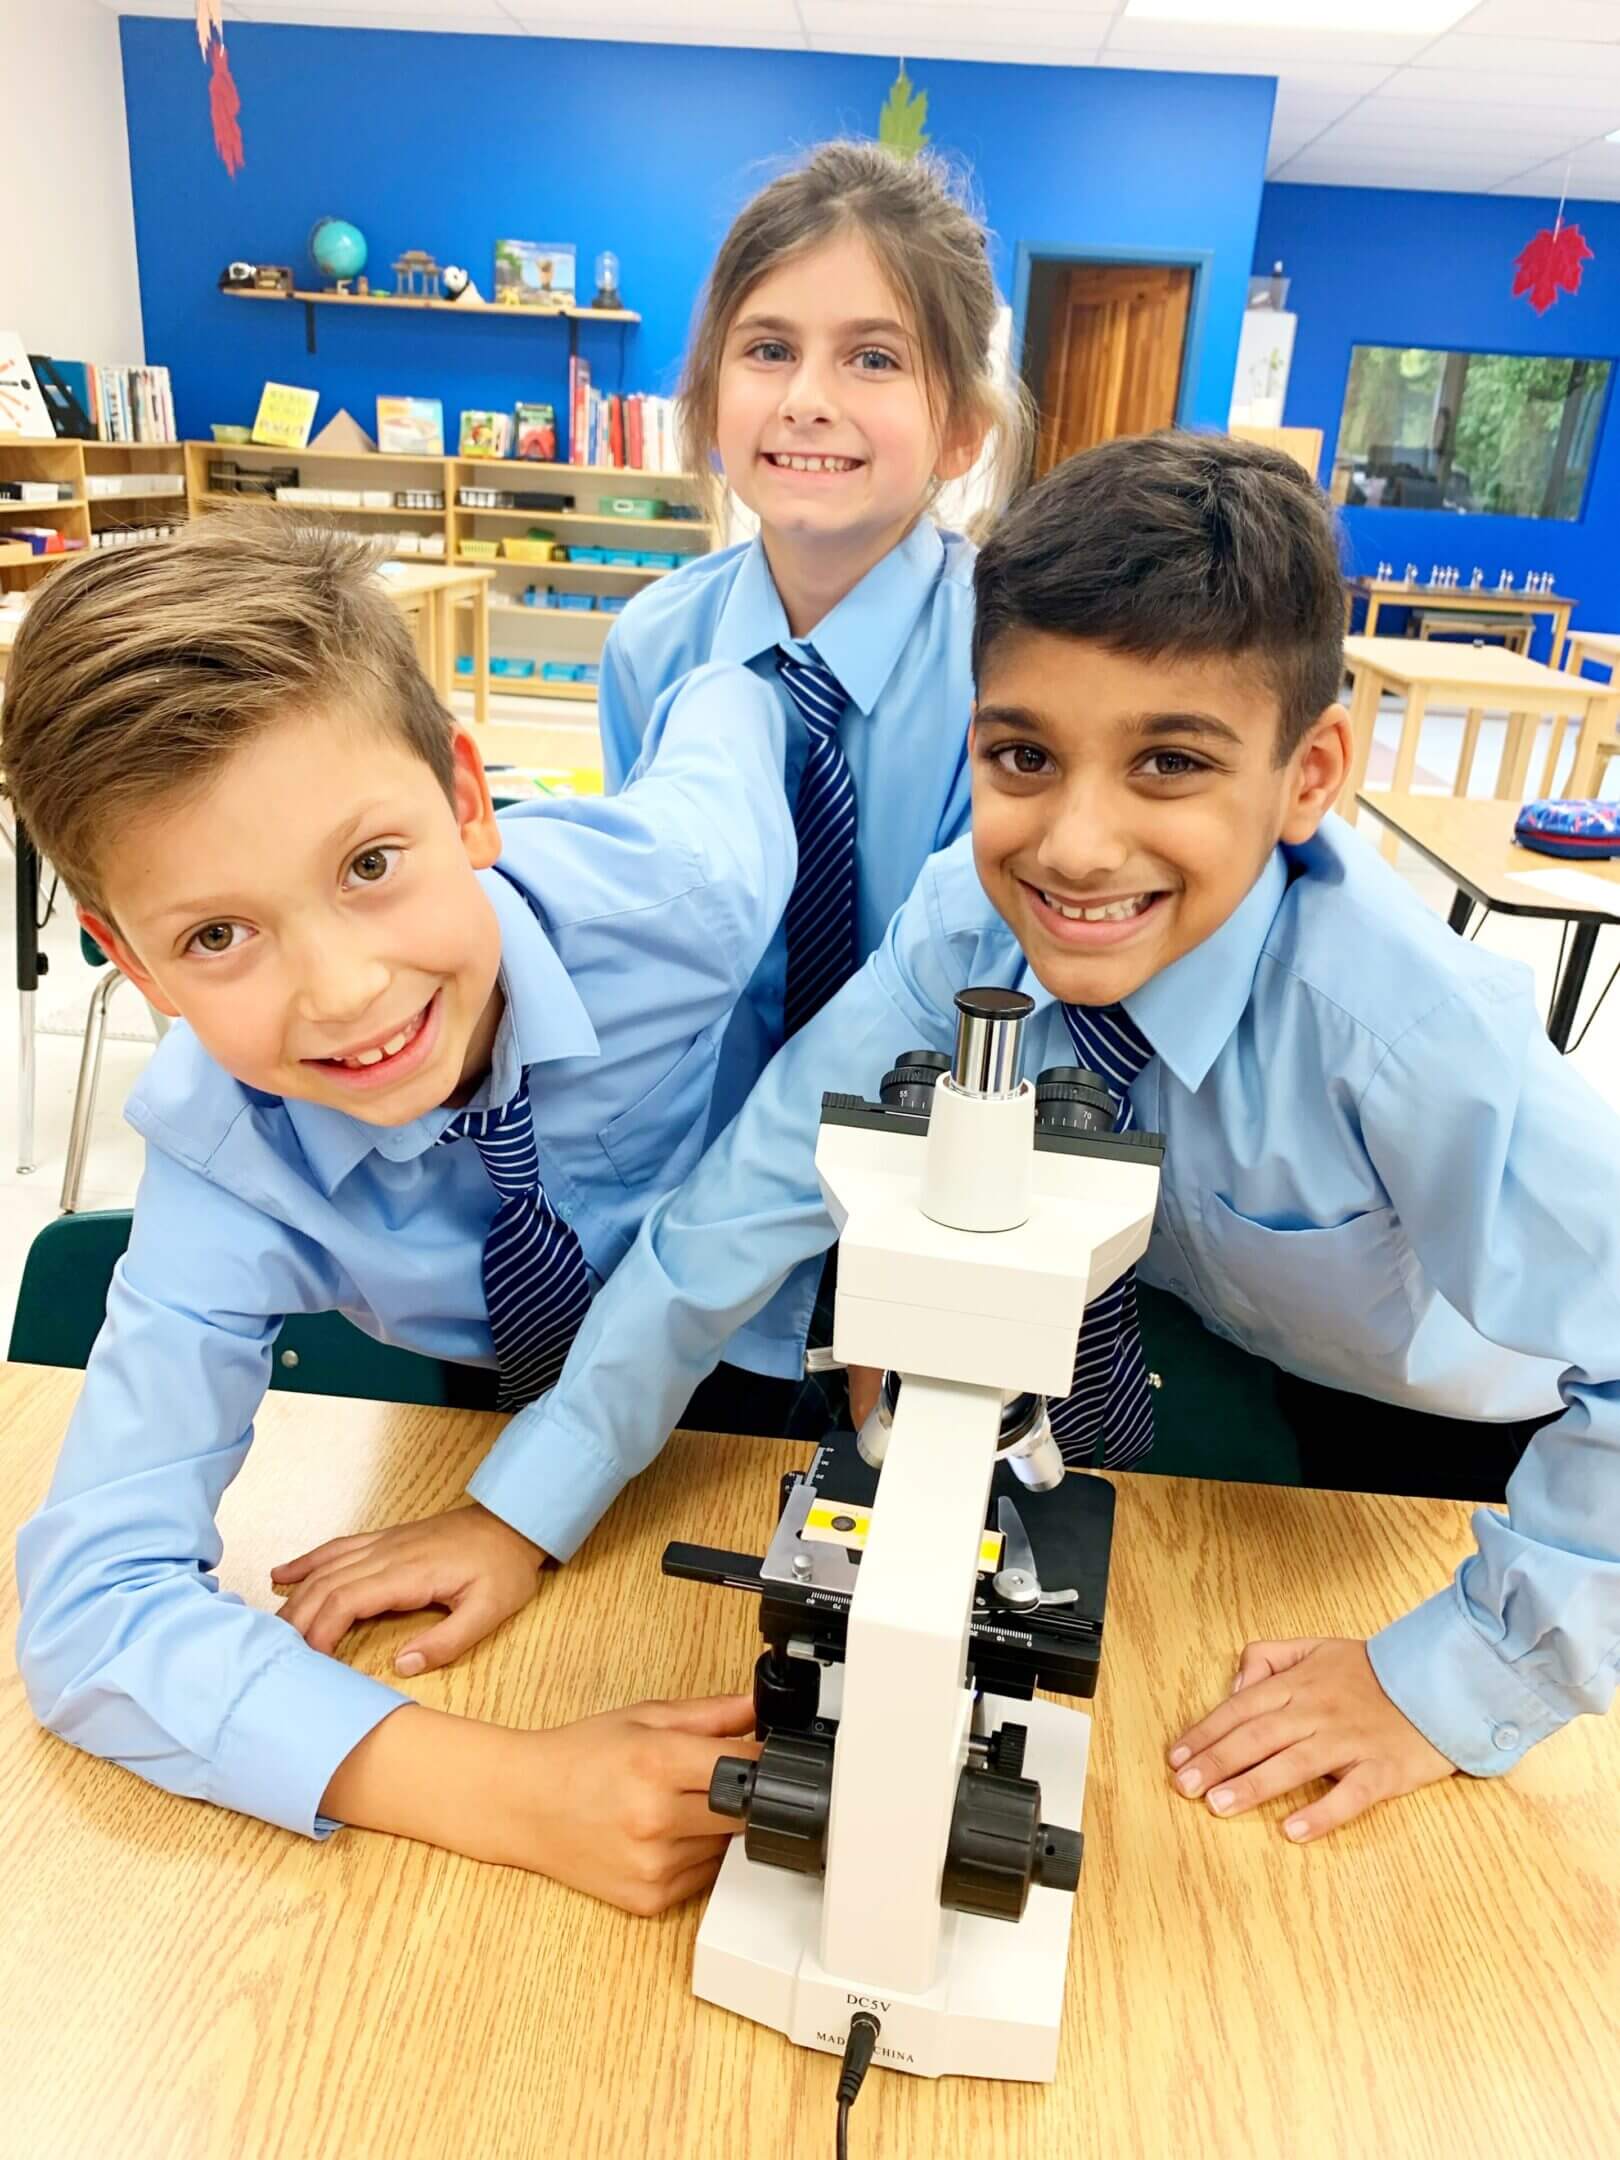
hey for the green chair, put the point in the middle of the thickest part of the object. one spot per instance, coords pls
(95, 1037)
(63, 1299)
(1215, 1411)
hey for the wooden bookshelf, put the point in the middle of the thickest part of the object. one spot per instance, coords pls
(560, 634)
(60, 462)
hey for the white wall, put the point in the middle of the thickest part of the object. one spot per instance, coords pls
(67, 218)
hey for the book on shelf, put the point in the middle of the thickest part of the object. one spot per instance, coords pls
(536, 433)
(635, 434)
(485, 434)
(411, 427)
(123, 404)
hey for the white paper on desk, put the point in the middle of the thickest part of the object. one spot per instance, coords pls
(1577, 886)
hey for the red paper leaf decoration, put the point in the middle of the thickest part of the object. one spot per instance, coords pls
(1551, 264)
(223, 106)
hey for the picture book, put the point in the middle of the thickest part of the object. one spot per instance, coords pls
(537, 433)
(22, 409)
(285, 416)
(534, 273)
(411, 427)
(485, 434)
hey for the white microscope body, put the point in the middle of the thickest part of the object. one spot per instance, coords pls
(969, 1251)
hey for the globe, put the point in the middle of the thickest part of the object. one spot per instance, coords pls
(338, 249)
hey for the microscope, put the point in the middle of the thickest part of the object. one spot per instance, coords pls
(912, 1838)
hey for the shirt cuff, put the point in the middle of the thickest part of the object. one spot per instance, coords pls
(298, 1718)
(548, 1482)
(1439, 1671)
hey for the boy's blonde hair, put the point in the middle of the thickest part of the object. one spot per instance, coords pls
(137, 673)
(933, 249)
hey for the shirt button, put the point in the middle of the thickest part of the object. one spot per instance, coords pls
(1506, 1736)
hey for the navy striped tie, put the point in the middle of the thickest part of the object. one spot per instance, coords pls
(1111, 1398)
(820, 921)
(536, 1285)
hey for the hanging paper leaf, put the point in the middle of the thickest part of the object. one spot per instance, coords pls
(210, 17)
(223, 106)
(900, 123)
(1551, 264)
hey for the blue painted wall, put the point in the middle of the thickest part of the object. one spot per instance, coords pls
(1387, 266)
(449, 143)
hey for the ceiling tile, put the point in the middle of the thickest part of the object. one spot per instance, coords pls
(1464, 55)
(911, 29)
(1574, 92)
(1025, 53)
(1596, 19)
(1213, 46)
(655, 19)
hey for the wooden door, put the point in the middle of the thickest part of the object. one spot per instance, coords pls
(1114, 351)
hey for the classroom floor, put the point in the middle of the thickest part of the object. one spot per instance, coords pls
(524, 734)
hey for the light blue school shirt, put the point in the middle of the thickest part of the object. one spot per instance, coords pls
(1377, 1172)
(899, 643)
(628, 929)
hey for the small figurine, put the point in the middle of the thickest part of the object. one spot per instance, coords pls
(416, 275)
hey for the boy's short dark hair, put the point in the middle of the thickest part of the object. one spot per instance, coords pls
(137, 672)
(1177, 545)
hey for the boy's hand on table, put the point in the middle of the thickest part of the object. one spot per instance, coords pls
(467, 1559)
(618, 1804)
(1302, 1710)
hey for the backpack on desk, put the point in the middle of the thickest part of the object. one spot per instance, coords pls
(1585, 830)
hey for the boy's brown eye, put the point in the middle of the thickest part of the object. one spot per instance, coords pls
(372, 865)
(215, 937)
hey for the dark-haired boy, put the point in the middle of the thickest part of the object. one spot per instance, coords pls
(1378, 1174)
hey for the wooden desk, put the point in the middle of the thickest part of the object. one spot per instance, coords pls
(1460, 600)
(430, 594)
(1439, 1978)
(1478, 678)
(1472, 843)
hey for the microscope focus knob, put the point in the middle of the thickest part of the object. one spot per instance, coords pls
(785, 1799)
(998, 1846)
(1006, 1750)
(1070, 1099)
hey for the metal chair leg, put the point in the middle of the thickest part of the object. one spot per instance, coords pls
(84, 1100)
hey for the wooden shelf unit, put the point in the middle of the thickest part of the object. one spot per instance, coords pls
(568, 634)
(22, 458)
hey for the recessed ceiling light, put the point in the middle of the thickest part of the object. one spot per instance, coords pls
(1396, 18)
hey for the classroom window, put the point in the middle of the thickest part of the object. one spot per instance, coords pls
(1504, 434)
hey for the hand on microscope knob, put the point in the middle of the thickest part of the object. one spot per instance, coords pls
(864, 1382)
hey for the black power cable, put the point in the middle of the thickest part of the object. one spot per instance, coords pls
(863, 2038)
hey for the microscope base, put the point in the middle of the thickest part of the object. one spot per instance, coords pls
(996, 2010)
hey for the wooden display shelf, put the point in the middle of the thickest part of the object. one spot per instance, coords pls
(217, 496)
(66, 502)
(588, 517)
(579, 569)
(430, 304)
(13, 556)
(572, 472)
(129, 495)
(579, 693)
(332, 457)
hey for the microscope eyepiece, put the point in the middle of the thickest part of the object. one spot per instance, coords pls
(989, 1040)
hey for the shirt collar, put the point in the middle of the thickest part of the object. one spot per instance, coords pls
(1189, 1010)
(544, 1020)
(863, 637)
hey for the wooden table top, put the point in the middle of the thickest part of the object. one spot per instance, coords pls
(415, 578)
(1472, 841)
(1404, 593)
(1595, 641)
(181, 1984)
(1477, 669)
